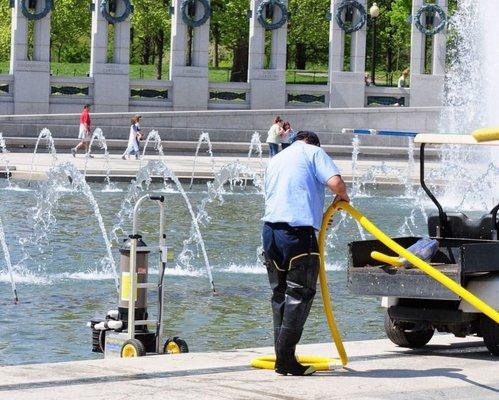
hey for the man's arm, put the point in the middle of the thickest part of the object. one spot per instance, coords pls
(337, 186)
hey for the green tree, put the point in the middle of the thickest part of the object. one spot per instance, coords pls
(308, 32)
(70, 31)
(230, 28)
(151, 26)
(5, 31)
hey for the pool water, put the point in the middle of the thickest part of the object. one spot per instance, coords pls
(62, 284)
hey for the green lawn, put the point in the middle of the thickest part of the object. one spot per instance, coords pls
(317, 77)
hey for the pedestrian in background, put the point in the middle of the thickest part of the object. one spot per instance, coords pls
(274, 135)
(84, 133)
(288, 136)
(134, 138)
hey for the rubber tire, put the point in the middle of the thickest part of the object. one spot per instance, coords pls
(401, 338)
(137, 344)
(490, 334)
(182, 345)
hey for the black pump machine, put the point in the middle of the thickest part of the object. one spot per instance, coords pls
(125, 331)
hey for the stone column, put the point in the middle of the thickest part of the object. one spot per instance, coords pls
(267, 85)
(426, 89)
(31, 77)
(190, 82)
(346, 88)
(111, 79)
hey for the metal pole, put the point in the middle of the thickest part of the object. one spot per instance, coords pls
(133, 285)
(373, 55)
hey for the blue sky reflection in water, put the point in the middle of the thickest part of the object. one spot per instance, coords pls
(62, 285)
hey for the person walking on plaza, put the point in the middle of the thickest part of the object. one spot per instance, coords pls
(273, 136)
(133, 147)
(294, 203)
(287, 136)
(403, 80)
(84, 134)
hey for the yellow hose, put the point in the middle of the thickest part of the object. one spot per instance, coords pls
(320, 363)
(416, 261)
(486, 134)
(393, 261)
(324, 363)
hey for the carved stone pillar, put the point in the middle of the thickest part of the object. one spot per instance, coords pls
(346, 88)
(426, 89)
(267, 85)
(189, 72)
(111, 77)
(31, 76)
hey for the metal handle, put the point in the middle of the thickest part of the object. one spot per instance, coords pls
(161, 199)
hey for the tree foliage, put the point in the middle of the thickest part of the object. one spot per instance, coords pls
(308, 33)
(5, 21)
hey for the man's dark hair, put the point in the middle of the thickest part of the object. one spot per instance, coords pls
(309, 137)
(87, 106)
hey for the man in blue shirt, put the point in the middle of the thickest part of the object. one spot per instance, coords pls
(294, 204)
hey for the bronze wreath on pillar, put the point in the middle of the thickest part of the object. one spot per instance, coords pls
(190, 21)
(358, 24)
(35, 16)
(115, 19)
(427, 9)
(260, 12)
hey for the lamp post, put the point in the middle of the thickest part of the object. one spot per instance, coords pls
(374, 13)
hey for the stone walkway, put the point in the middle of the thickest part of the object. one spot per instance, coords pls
(448, 368)
(182, 166)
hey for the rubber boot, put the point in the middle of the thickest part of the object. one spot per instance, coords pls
(286, 362)
(277, 280)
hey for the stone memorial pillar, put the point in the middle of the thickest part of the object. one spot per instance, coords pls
(111, 76)
(267, 85)
(346, 88)
(189, 72)
(31, 76)
(426, 89)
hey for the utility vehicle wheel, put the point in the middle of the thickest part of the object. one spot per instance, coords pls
(490, 333)
(175, 345)
(133, 348)
(406, 339)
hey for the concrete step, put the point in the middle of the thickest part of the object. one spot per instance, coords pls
(447, 368)
(24, 144)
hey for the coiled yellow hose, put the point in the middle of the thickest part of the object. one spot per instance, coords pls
(320, 363)
(323, 363)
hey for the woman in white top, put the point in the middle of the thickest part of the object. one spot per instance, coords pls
(273, 136)
(133, 147)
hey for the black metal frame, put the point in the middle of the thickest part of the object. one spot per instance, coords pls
(443, 229)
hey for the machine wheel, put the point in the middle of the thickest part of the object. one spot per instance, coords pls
(133, 348)
(175, 345)
(490, 333)
(406, 339)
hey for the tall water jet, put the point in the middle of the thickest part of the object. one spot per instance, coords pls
(355, 157)
(158, 146)
(47, 135)
(203, 138)
(231, 173)
(99, 136)
(8, 262)
(470, 102)
(5, 159)
(144, 176)
(256, 147)
(59, 178)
